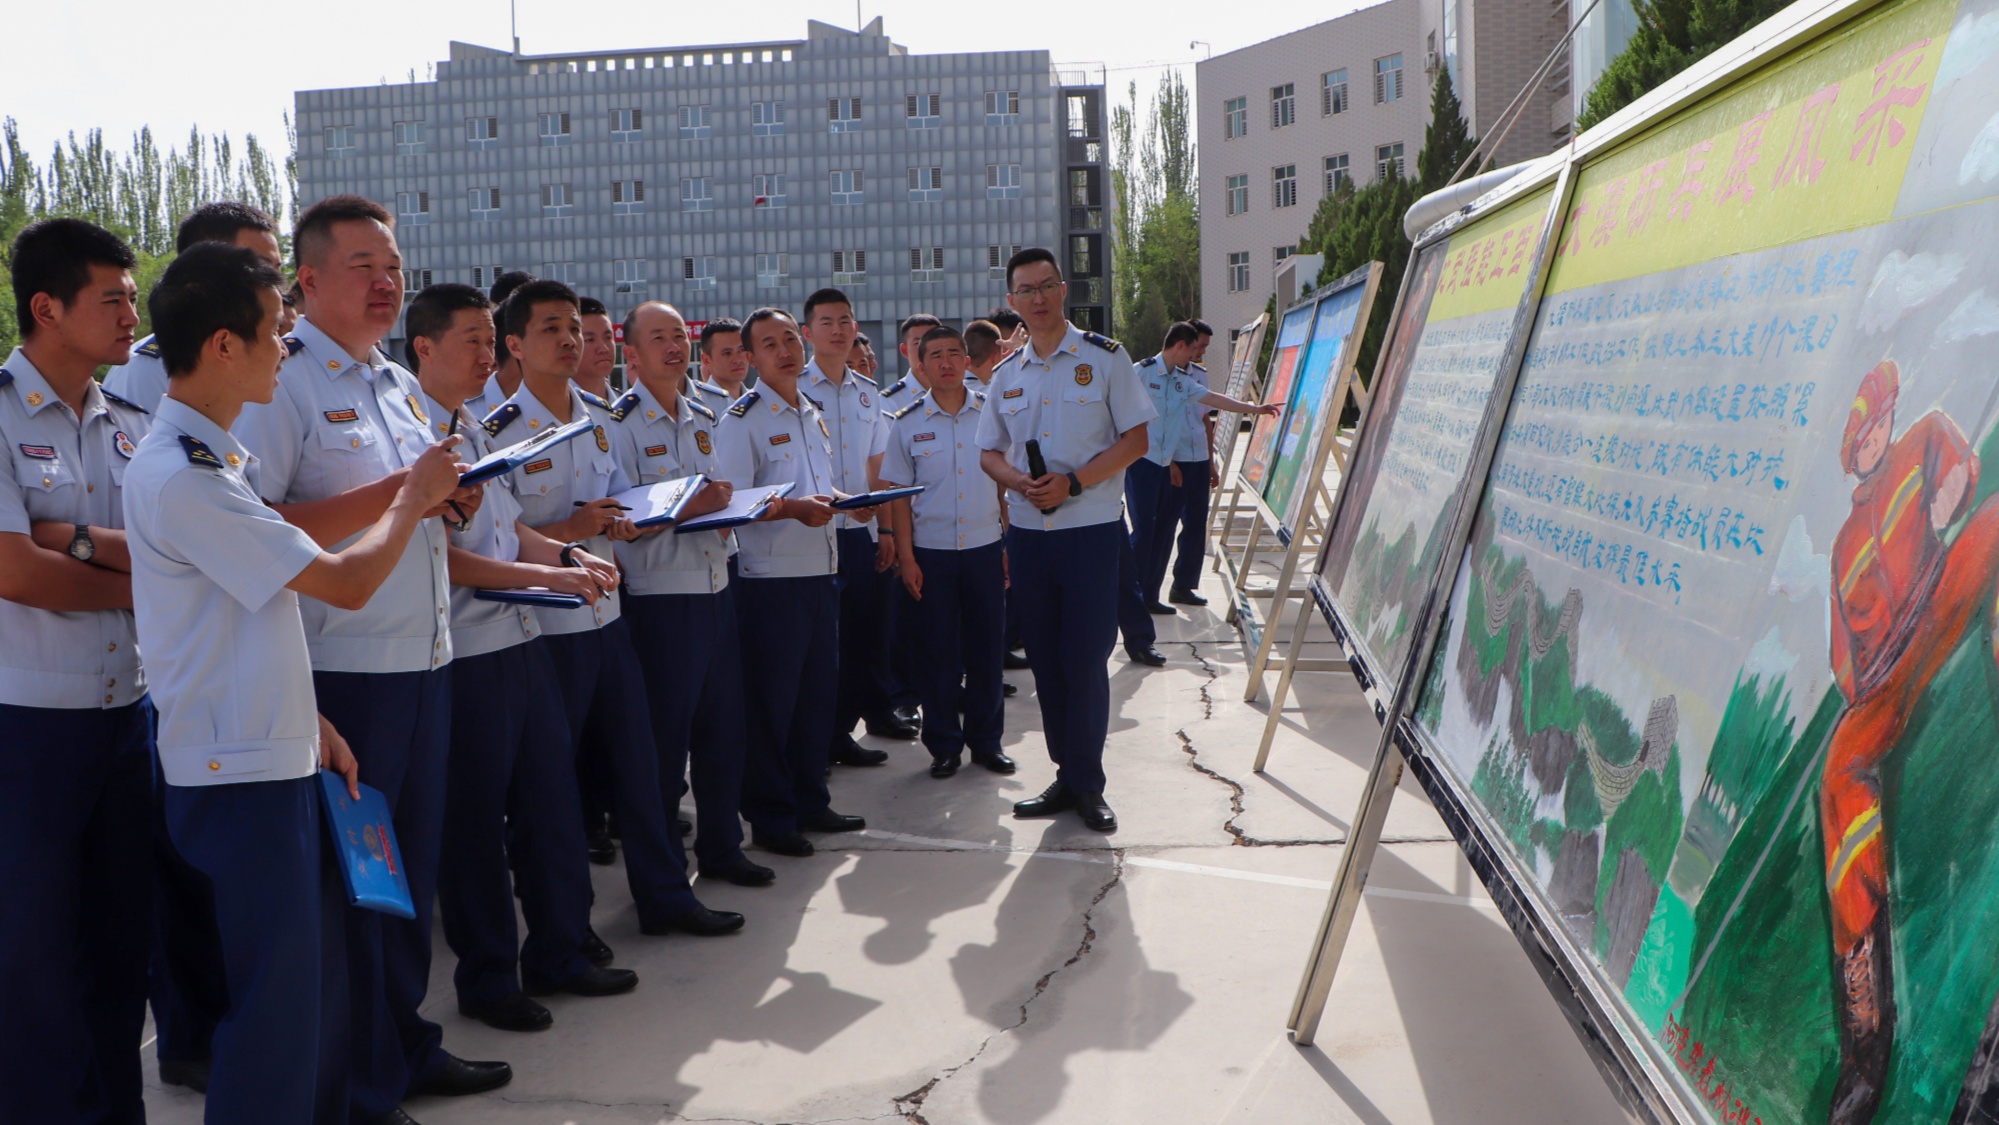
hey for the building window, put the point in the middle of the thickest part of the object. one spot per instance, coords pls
(1239, 272)
(1002, 107)
(767, 189)
(412, 139)
(1082, 256)
(628, 275)
(1238, 199)
(694, 123)
(846, 187)
(1279, 253)
(556, 202)
(850, 267)
(412, 208)
(844, 114)
(415, 280)
(628, 197)
(997, 258)
(926, 185)
(1235, 118)
(1082, 188)
(1387, 159)
(696, 195)
(627, 124)
(926, 263)
(766, 119)
(340, 141)
(698, 273)
(485, 203)
(482, 132)
(1078, 113)
(773, 270)
(1337, 172)
(1002, 181)
(923, 111)
(1284, 185)
(565, 272)
(555, 130)
(1333, 92)
(1283, 105)
(1387, 79)
(485, 276)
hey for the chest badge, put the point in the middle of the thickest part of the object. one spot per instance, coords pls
(655, 451)
(603, 442)
(1014, 393)
(702, 443)
(1084, 374)
(124, 445)
(779, 439)
(342, 415)
(540, 466)
(864, 398)
(421, 417)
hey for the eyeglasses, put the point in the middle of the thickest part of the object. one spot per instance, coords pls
(1045, 289)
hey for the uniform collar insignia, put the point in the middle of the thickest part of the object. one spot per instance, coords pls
(148, 347)
(500, 419)
(198, 452)
(621, 409)
(743, 404)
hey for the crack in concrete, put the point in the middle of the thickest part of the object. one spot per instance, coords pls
(910, 1106)
(1237, 836)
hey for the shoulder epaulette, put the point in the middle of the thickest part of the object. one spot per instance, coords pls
(293, 345)
(623, 406)
(816, 404)
(198, 452)
(502, 417)
(1104, 342)
(864, 379)
(701, 408)
(978, 398)
(127, 403)
(6, 377)
(910, 409)
(896, 387)
(743, 404)
(1198, 367)
(1149, 361)
(708, 388)
(149, 347)
(593, 399)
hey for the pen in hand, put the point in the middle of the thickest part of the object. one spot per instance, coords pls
(619, 507)
(464, 521)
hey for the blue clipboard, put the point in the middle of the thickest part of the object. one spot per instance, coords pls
(748, 506)
(503, 461)
(878, 496)
(532, 595)
(363, 838)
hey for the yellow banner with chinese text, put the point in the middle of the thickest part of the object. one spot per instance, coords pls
(1489, 259)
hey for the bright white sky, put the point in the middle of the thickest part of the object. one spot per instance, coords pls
(233, 64)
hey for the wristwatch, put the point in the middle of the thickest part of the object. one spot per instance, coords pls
(1075, 485)
(80, 547)
(568, 555)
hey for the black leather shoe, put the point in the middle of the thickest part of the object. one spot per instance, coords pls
(742, 873)
(603, 852)
(890, 726)
(1179, 596)
(1008, 691)
(395, 1117)
(701, 922)
(593, 981)
(460, 1077)
(1094, 813)
(944, 766)
(191, 1073)
(1161, 609)
(515, 1013)
(847, 752)
(787, 843)
(595, 950)
(995, 761)
(1014, 661)
(826, 820)
(686, 826)
(1054, 799)
(1150, 657)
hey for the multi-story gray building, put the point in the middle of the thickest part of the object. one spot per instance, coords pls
(725, 177)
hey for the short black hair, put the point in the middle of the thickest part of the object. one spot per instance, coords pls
(1182, 332)
(717, 327)
(1028, 257)
(861, 338)
(315, 224)
(768, 312)
(827, 296)
(1005, 319)
(591, 306)
(941, 332)
(1201, 326)
(982, 339)
(915, 320)
(54, 256)
(209, 287)
(521, 302)
(431, 310)
(508, 282)
(220, 222)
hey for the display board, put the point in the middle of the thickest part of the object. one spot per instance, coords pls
(1292, 331)
(1242, 373)
(1324, 374)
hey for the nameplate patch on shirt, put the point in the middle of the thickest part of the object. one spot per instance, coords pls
(779, 439)
(39, 452)
(1014, 393)
(932, 436)
(539, 466)
(655, 451)
(343, 416)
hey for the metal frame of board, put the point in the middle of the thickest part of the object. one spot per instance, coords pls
(1242, 379)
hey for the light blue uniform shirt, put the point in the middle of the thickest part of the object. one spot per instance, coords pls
(653, 444)
(65, 469)
(764, 440)
(1171, 391)
(855, 426)
(479, 627)
(224, 643)
(1193, 441)
(1076, 403)
(959, 507)
(549, 486)
(338, 423)
(141, 380)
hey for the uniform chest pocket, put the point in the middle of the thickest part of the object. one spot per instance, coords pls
(346, 437)
(1083, 396)
(43, 478)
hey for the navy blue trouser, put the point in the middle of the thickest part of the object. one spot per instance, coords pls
(598, 671)
(691, 655)
(1134, 621)
(1157, 505)
(511, 795)
(1188, 504)
(76, 869)
(865, 683)
(284, 1043)
(188, 991)
(1068, 582)
(961, 622)
(791, 665)
(399, 727)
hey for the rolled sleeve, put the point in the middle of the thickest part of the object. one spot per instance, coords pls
(1130, 405)
(896, 467)
(13, 506)
(734, 459)
(992, 431)
(239, 543)
(274, 435)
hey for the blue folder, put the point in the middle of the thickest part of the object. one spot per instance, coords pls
(502, 461)
(878, 496)
(533, 595)
(366, 844)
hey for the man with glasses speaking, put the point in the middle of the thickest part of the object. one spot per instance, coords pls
(1065, 415)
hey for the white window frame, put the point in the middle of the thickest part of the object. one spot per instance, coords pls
(1333, 97)
(926, 263)
(694, 122)
(558, 201)
(926, 184)
(1388, 79)
(767, 190)
(1003, 181)
(627, 125)
(698, 271)
(1235, 117)
(555, 129)
(849, 187)
(923, 111)
(843, 115)
(850, 267)
(484, 203)
(1338, 167)
(1283, 105)
(773, 270)
(412, 138)
(628, 197)
(1239, 271)
(412, 208)
(416, 280)
(1383, 155)
(482, 132)
(1002, 107)
(689, 201)
(628, 275)
(767, 119)
(339, 140)
(997, 256)
(565, 272)
(1238, 194)
(1284, 186)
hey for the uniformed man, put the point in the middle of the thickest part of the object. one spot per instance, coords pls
(682, 610)
(593, 378)
(143, 379)
(725, 362)
(951, 560)
(1196, 477)
(566, 495)
(863, 358)
(1175, 452)
(76, 726)
(506, 377)
(600, 352)
(1076, 396)
(216, 576)
(982, 353)
(787, 603)
(511, 795)
(342, 429)
(850, 405)
(908, 339)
